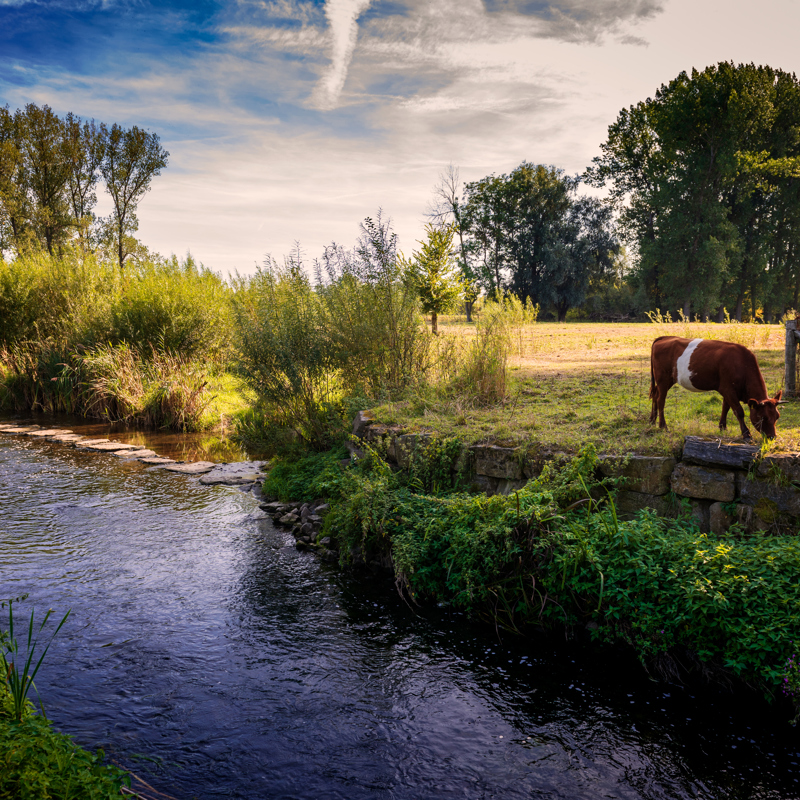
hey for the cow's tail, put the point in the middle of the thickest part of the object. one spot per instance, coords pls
(652, 377)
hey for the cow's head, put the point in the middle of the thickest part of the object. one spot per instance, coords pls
(764, 414)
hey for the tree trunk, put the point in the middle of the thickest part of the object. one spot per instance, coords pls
(687, 308)
(468, 310)
(739, 305)
(562, 309)
(721, 313)
(435, 323)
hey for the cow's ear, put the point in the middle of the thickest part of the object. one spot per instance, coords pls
(755, 403)
(779, 395)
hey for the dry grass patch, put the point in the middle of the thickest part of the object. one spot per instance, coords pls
(573, 383)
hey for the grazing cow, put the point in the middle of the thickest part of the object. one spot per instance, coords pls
(707, 365)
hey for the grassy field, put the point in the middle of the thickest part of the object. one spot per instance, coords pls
(573, 383)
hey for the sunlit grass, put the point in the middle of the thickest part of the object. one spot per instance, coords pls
(579, 382)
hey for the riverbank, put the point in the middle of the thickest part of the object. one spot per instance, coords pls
(557, 549)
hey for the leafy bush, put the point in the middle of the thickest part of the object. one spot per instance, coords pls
(37, 762)
(310, 477)
(379, 343)
(285, 351)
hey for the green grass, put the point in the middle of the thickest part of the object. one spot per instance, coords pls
(579, 382)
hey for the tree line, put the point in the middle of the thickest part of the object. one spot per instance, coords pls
(50, 167)
(702, 214)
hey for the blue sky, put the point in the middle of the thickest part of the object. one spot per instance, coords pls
(290, 120)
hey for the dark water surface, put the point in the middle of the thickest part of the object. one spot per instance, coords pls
(207, 655)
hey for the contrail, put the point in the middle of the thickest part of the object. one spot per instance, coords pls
(342, 16)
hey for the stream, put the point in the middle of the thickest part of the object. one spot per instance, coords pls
(210, 657)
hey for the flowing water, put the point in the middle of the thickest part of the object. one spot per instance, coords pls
(208, 656)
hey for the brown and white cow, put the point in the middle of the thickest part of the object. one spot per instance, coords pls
(707, 365)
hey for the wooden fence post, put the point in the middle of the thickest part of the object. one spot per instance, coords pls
(789, 381)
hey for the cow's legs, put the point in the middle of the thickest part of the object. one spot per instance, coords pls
(723, 420)
(662, 389)
(738, 412)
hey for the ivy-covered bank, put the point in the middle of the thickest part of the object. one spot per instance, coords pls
(555, 553)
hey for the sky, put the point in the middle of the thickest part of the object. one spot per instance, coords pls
(293, 120)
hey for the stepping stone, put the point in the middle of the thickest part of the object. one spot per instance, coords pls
(215, 479)
(22, 430)
(195, 468)
(111, 447)
(156, 460)
(9, 428)
(87, 442)
(47, 433)
(134, 455)
(67, 437)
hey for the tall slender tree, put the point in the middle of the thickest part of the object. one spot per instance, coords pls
(131, 159)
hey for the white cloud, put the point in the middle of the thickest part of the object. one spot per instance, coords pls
(343, 26)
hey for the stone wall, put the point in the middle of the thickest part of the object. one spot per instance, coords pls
(717, 482)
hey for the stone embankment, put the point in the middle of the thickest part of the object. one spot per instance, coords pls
(247, 475)
(720, 483)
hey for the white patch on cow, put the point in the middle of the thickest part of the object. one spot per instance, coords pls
(684, 370)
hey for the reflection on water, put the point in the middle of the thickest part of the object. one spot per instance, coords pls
(214, 660)
(209, 446)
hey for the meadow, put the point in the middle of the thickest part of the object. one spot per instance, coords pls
(578, 382)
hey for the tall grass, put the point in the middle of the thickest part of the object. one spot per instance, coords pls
(75, 337)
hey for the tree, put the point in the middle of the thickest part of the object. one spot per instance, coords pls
(697, 174)
(536, 237)
(86, 144)
(14, 203)
(447, 209)
(46, 171)
(132, 158)
(433, 272)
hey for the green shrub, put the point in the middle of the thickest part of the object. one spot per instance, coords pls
(285, 353)
(310, 477)
(37, 763)
(380, 345)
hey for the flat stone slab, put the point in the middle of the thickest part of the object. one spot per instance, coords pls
(712, 452)
(87, 442)
(10, 428)
(194, 468)
(67, 437)
(154, 459)
(213, 479)
(46, 433)
(21, 430)
(134, 455)
(110, 447)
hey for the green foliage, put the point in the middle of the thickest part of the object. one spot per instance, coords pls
(286, 355)
(75, 338)
(433, 272)
(379, 345)
(704, 175)
(318, 475)
(37, 763)
(529, 232)
(169, 306)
